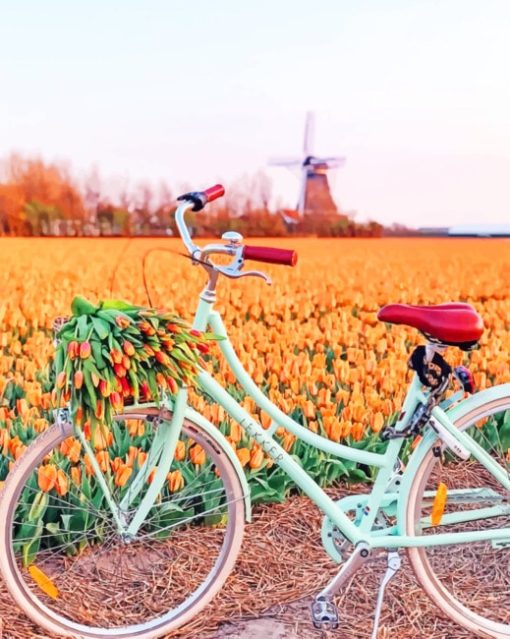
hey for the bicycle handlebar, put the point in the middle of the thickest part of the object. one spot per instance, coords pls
(214, 192)
(201, 198)
(270, 255)
(195, 201)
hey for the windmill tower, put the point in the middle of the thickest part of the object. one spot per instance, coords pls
(314, 193)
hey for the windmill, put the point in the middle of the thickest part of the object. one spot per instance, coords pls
(314, 193)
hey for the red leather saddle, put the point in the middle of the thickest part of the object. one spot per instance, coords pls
(455, 324)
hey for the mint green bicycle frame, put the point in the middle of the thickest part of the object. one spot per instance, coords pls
(163, 448)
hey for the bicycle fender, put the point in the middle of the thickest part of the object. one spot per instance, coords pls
(456, 414)
(222, 444)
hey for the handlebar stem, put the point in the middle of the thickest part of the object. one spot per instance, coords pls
(201, 256)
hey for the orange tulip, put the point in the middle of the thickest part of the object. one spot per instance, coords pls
(116, 401)
(47, 477)
(61, 380)
(103, 459)
(175, 481)
(71, 448)
(61, 483)
(122, 475)
(122, 322)
(180, 451)
(78, 380)
(73, 349)
(76, 475)
(243, 454)
(197, 454)
(116, 356)
(85, 350)
(132, 454)
(256, 458)
(128, 348)
(88, 466)
(104, 388)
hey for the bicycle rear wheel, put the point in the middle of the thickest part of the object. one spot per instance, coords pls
(63, 559)
(470, 582)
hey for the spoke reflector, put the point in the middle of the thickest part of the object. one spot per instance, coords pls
(43, 581)
(439, 504)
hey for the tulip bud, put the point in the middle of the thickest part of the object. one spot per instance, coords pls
(120, 371)
(61, 483)
(99, 409)
(197, 454)
(47, 477)
(116, 400)
(104, 388)
(122, 322)
(161, 357)
(126, 388)
(73, 349)
(61, 380)
(160, 378)
(145, 390)
(128, 348)
(173, 328)
(85, 350)
(172, 384)
(175, 481)
(116, 356)
(78, 380)
(122, 475)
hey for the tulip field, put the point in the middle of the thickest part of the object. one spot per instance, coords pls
(311, 341)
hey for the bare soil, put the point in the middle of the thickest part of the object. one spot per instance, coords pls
(281, 566)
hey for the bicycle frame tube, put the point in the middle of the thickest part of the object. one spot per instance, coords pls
(173, 430)
(205, 316)
(385, 462)
(473, 447)
(339, 450)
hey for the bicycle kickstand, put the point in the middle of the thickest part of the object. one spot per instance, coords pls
(324, 610)
(394, 563)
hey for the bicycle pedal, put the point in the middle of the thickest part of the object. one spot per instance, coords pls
(324, 614)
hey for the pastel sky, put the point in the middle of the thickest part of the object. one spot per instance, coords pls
(415, 94)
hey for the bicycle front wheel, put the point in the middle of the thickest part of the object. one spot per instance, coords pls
(64, 560)
(470, 582)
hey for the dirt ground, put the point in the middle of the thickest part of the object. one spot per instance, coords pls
(282, 564)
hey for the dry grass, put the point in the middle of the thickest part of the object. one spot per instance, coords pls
(278, 590)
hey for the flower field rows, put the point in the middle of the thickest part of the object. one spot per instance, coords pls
(311, 341)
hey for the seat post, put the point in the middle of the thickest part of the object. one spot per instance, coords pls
(431, 348)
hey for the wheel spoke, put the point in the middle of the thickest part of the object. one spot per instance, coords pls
(469, 578)
(106, 580)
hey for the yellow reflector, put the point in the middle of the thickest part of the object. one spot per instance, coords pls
(439, 504)
(43, 581)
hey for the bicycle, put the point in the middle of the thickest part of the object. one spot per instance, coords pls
(140, 553)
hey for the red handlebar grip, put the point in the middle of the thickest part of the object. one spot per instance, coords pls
(214, 192)
(270, 255)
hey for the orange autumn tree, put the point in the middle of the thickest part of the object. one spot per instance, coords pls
(37, 197)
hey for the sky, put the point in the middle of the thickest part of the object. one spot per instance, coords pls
(414, 93)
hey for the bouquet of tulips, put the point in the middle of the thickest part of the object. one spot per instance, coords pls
(115, 352)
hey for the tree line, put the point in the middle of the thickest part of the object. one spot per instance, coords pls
(39, 198)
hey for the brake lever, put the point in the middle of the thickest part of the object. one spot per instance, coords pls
(235, 274)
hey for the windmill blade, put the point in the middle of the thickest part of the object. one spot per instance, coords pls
(302, 192)
(332, 162)
(284, 162)
(309, 133)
